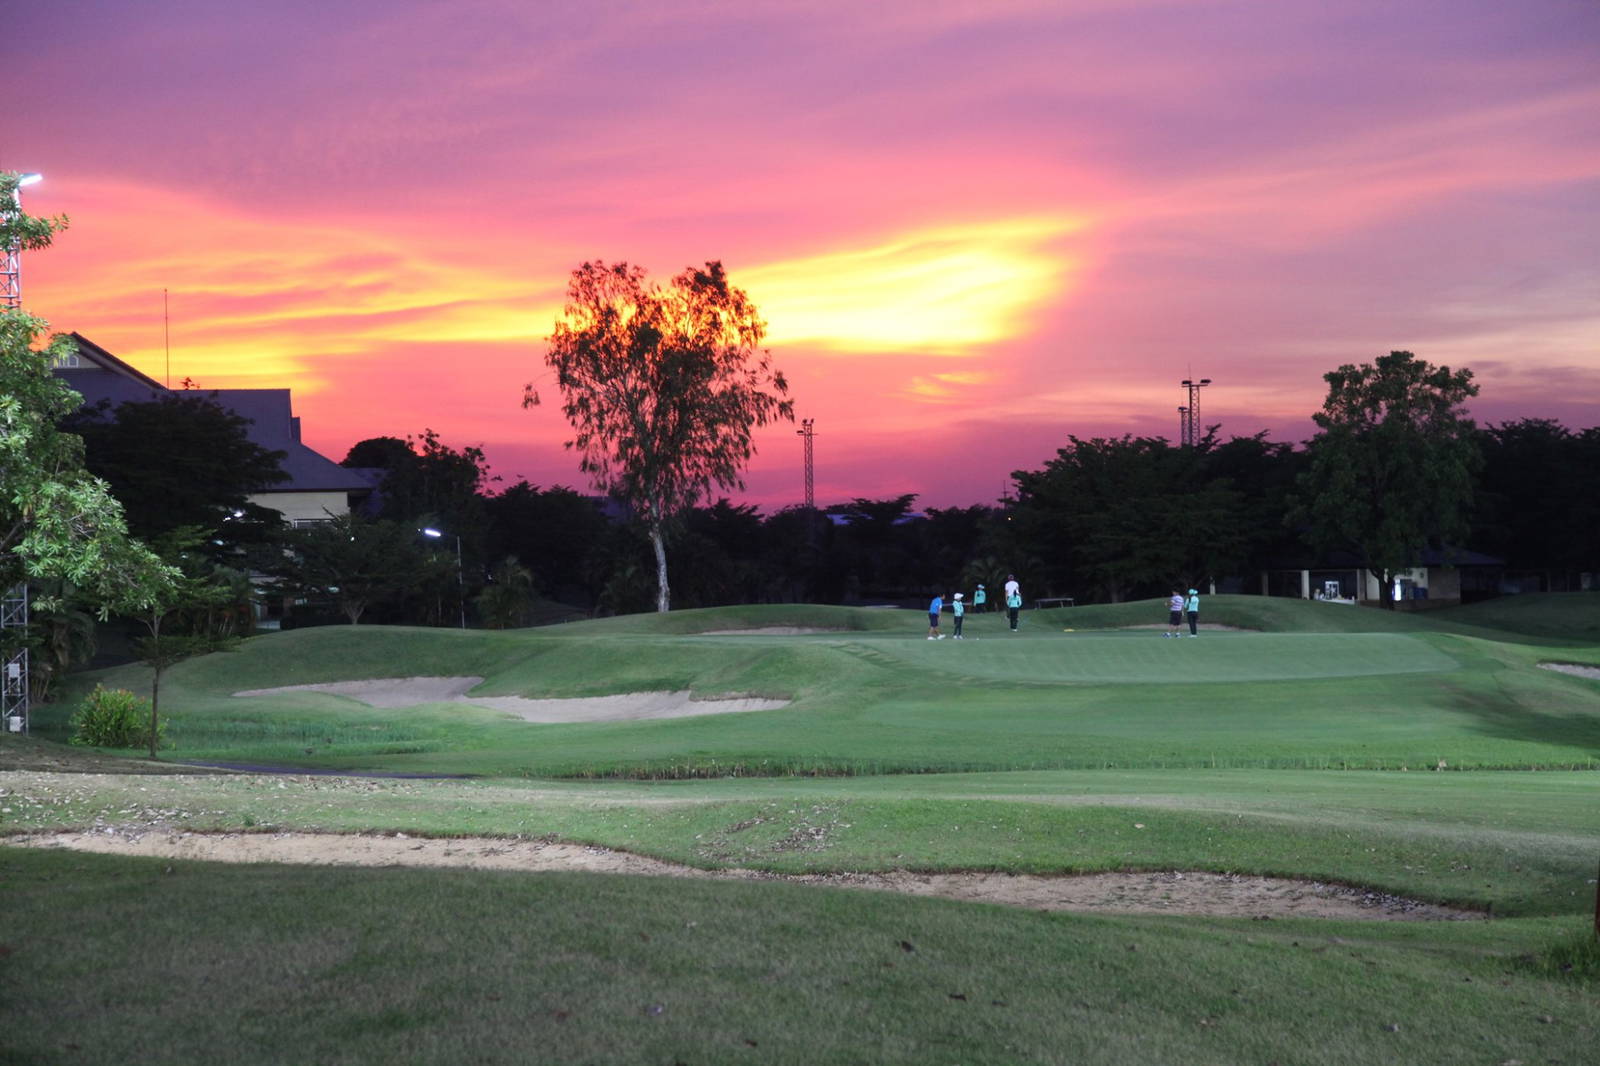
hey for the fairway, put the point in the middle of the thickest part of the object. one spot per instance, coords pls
(1424, 763)
(1147, 657)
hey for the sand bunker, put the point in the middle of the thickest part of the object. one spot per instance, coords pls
(628, 707)
(1125, 893)
(1591, 672)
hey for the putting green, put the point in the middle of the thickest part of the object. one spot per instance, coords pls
(1147, 657)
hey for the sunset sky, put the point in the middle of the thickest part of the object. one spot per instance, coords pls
(973, 227)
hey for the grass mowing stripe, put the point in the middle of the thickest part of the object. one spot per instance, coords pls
(1443, 842)
(129, 960)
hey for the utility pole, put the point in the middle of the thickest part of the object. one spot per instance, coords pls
(14, 602)
(1191, 413)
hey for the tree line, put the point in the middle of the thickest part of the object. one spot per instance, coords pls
(1105, 519)
(144, 509)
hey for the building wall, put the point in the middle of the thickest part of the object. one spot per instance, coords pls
(304, 506)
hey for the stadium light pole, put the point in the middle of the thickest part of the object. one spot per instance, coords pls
(461, 585)
(1191, 419)
(14, 672)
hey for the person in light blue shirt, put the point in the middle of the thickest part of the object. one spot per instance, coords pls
(959, 609)
(933, 618)
(1192, 607)
(1013, 600)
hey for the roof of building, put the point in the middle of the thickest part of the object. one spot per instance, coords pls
(270, 413)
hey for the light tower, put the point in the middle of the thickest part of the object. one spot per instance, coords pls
(1191, 414)
(808, 430)
(14, 603)
(11, 255)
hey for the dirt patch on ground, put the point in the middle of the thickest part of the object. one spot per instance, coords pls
(1591, 672)
(770, 631)
(627, 707)
(1125, 893)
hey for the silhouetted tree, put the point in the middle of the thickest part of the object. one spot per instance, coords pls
(663, 387)
(181, 461)
(356, 562)
(1539, 500)
(551, 531)
(1123, 515)
(1392, 468)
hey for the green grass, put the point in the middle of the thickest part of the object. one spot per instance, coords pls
(1513, 844)
(871, 696)
(120, 960)
(1424, 755)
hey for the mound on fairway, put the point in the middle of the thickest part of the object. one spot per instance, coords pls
(628, 707)
(1147, 658)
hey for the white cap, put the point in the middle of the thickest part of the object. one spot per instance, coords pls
(958, 595)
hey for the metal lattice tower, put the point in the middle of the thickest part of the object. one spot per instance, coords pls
(14, 678)
(10, 278)
(14, 604)
(1191, 414)
(809, 432)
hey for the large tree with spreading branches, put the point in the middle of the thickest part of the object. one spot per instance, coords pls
(1391, 470)
(664, 388)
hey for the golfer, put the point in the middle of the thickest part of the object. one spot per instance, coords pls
(960, 610)
(1193, 607)
(980, 600)
(1013, 600)
(1174, 615)
(933, 617)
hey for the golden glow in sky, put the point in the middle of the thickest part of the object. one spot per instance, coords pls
(938, 291)
(973, 229)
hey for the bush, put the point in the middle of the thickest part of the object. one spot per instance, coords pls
(114, 718)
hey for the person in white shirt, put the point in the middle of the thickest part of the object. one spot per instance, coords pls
(1174, 614)
(1013, 600)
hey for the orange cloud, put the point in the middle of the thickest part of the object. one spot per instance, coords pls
(267, 300)
(941, 290)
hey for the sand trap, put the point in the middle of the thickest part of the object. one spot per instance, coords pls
(627, 707)
(1125, 893)
(1591, 672)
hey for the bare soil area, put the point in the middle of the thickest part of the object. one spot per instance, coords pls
(631, 706)
(1167, 892)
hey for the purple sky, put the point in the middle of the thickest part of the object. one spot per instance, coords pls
(974, 228)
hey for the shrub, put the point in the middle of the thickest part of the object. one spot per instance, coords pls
(114, 718)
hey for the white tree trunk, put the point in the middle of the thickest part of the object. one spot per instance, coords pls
(663, 593)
